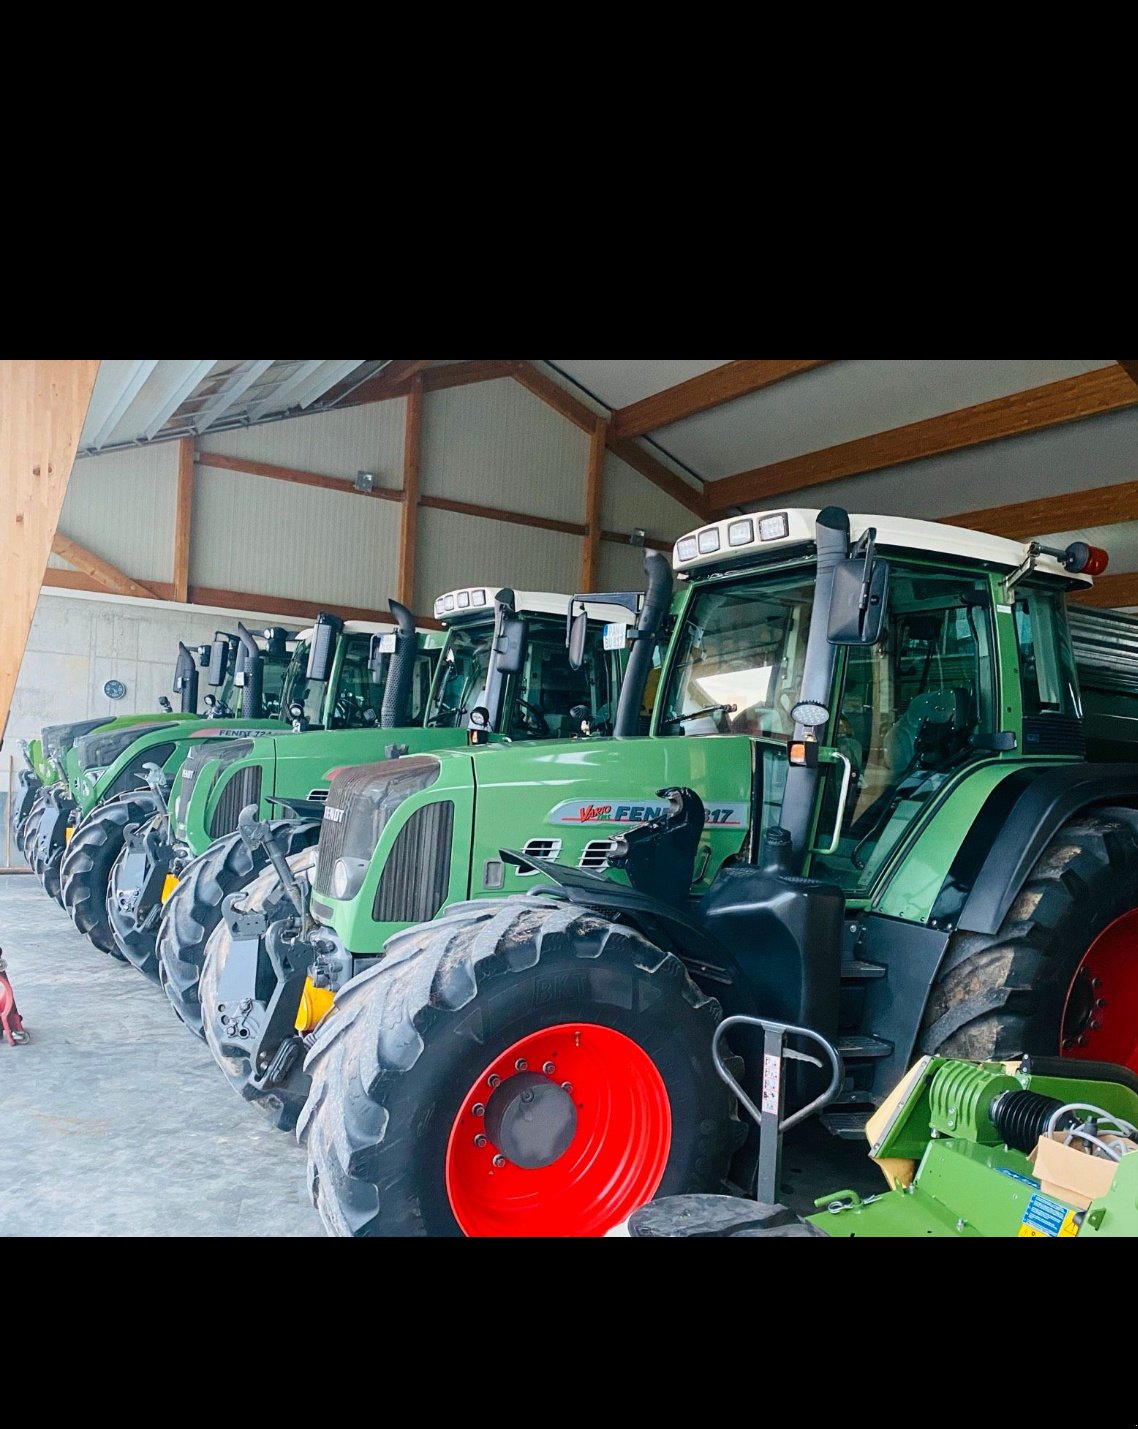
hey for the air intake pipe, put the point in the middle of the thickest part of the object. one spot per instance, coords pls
(832, 535)
(186, 680)
(250, 665)
(395, 712)
(657, 601)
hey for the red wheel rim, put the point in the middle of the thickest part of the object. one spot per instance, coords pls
(611, 1166)
(1100, 1016)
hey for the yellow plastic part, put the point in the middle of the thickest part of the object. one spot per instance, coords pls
(67, 834)
(314, 1003)
(169, 883)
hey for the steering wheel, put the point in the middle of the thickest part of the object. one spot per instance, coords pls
(348, 706)
(536, 724)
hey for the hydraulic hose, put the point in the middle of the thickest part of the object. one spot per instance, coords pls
(395, 712)
(252, 701)
(832, 528)
(657, 601)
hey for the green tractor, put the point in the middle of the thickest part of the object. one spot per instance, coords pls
(124, 776)
(504, 677)
(53, 784)
(898, 840)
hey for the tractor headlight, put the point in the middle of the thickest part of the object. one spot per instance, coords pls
(347, 876)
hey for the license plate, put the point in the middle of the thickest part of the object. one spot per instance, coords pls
(169, 883)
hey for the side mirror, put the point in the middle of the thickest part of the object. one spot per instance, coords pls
(512, 641)
(858, 601)
(578, 631)
(218, 661)
(323, 646)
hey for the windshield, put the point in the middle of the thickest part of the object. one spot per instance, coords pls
(274, 668)
(738, 664)
(298, 689)
(547, 699)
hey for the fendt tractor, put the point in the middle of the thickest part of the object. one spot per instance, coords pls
(55, 771)
(337, 681)
(125, 780)
(504, 676)
(864, 806)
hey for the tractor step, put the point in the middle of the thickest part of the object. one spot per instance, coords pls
(862, 1045)
(856, 968)
(846, 1125)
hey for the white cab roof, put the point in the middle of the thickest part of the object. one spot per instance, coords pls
(736, 535)
(472, 601)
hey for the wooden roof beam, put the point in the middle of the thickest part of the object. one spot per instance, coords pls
(108, 576)
(700, 394)
(1073, 399)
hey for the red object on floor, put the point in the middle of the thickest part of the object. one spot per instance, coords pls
(9, 1013)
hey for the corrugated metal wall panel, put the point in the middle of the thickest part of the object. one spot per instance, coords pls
(466, 550)
(622, 567)
(368, 438)
(254, 534)
(496, 444)
(632, 500)
(121, 506)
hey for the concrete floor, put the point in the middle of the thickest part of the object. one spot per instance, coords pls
(115, 1120)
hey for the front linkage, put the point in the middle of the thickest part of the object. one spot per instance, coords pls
(270, 974)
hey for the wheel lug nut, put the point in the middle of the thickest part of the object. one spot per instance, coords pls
(1096, 983)
(1082, 1039)
(480, 1140)
(520, 1065)
(548, 1068)
(1100, 1001)
(478, 1109)
(221, 1007)
(494, 1080)
(566, 1086)
(499, 1160)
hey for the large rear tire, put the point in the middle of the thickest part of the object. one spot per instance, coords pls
(280, 1104)
(423, 1071)
(86, 864)
(1060, 977)
(29, 826)
(193, 910)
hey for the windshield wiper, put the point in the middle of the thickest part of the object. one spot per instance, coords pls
(695, 714)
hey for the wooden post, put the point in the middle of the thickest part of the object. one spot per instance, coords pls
(183, 519)
(409, 525)
(594, 499)
(42, 407)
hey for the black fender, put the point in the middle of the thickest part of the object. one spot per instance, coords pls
(1018, 820)
(713, 965)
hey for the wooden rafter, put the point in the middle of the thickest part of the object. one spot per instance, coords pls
(494, 513)
(1110, 591)
(461, 374)
(1130, 368)
(594, 501)
(108, 576)
(657, 473)
(556, 396)
(409, 524)
(183, 518)
(221, 462)
(1074, 510)
(700, 394)
(387, 382)
(1107, 389)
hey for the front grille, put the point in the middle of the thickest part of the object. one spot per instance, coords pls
(416, 878)
(1053, 734)
(359, 803)
(547, 849)
(596, 855)
(334, 827)
(244, 787)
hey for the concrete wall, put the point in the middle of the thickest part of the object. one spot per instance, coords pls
(78, 643)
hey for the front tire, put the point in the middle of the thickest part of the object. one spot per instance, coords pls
(1060, 977)
(193, 910)
(421, 1070)
(137, 943)
(86, 865)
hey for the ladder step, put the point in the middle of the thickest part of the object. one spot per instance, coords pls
(862, 1045)
(856, 968)
(855, 1096)
(848, 1125)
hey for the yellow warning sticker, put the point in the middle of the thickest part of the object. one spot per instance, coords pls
(67, 835)
(1047, 1217)
(169, 883)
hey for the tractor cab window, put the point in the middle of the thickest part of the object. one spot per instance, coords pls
(909, 713)
(298, 689)
(274, 670)
(1048, 682)
(738, 666)
(460, 681)
(550, 700)
(358, 701)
